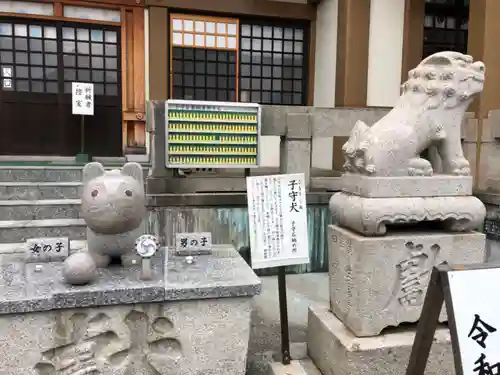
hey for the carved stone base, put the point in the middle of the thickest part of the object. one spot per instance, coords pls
(397, 187)
(335, 350)
(377, 282)
(210, 336)
(371, 215)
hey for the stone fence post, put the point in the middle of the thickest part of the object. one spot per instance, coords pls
(296, 145)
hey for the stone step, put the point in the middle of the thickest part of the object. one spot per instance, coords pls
(45, 173)
(20, 230)
(296, 367)
(39, 190)
(40, 209)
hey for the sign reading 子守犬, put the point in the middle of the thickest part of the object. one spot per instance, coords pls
(278, 220)
(82, 97)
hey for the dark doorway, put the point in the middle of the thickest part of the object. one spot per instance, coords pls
(446, 26)
(38, 62)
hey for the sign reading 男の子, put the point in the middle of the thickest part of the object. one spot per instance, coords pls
(278, 220)
(82, 97)
(212, 134)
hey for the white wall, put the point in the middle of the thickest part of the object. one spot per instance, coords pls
(385, 52)
(146, 70)
(324, 76)
(326, 54)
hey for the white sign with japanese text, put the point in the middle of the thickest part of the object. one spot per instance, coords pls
(278, 220)
(82, 98)
(476, 318)
(196, 243)
(53, 249)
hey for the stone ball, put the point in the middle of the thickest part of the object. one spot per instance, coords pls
(79, 269)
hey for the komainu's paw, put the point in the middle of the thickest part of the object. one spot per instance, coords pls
(420, 167)
(461, 167)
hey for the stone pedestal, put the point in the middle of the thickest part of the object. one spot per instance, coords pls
(376, 282)
(406, 205)
(335, 350)
(189, 319)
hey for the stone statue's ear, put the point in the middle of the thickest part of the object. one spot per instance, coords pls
(133, 170)
(91, 171)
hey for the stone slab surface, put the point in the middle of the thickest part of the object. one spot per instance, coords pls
(222, 274)
(397, 187)
(335, 350)
(371, 216)
(377, 282)
(301, 367)
(39, 190)
(167, 338)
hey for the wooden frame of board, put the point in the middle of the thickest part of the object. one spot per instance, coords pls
(438, 292)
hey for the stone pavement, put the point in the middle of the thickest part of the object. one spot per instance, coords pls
(303, 291)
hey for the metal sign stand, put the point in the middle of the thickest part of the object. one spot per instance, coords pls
(285, 338)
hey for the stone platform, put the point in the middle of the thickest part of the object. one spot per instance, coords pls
(377, 282)
(190, 316)
(371, 216)
(335, 350)
(408, 186)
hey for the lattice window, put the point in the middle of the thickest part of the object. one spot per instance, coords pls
(194, 31)
(91, 55)
(204, 74)
(28, 57)
(227, 59)
(27, 7)
(204, 58)
(96, 14)
(273, 64)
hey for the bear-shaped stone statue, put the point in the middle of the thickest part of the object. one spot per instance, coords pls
(113, 207)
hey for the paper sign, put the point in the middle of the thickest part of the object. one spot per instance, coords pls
(278, 220)
(476, 318)
(7, 72)
(82, 97)
(196, 243)
(46, 249)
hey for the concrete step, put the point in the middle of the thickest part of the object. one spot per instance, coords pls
(44, 173)
(40, 209)
(20, 230)
(296, 367)
(39, 190)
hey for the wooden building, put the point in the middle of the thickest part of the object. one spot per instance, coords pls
(46, 45)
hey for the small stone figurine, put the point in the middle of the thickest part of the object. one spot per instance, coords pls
(113, 207)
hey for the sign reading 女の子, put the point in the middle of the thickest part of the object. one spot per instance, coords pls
(82, 98)
(278, 220)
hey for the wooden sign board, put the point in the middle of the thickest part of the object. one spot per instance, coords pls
(470, 296)
(201, 134)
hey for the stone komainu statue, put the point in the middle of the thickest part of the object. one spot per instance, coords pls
(428, 116)
(113, 207)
